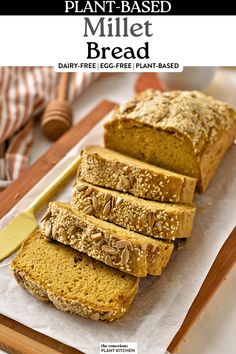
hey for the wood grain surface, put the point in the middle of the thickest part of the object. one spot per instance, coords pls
(149, 80)
(223, 263)
(17, 338)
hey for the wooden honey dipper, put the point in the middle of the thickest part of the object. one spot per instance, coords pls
(57, 117)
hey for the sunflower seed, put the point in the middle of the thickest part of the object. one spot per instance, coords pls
(107, 208)
(89, 190)
(119, 200)
(93, 228)
(159, 226)
(110, 250)
(100, 243)
(153, 249)
(107, 315)
(81, 187)
(54, 231)
(48, 228)
(125, 182)
(46, 215)
(95, 202)
(126, 168)
(96, 237)
(95, 316)
(108, 260)
(113, 202)
(88, 210)
(63, 234)
(71, 230)
(125, 256)
(123, 244)
(107, 197)
(142, 220)
(151, 219)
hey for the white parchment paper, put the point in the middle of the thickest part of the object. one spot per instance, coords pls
(162, 302)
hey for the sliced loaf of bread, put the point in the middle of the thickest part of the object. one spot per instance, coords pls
(159, 220)
(126, 250)
(184, 131)
(72, 281)
(107, 168)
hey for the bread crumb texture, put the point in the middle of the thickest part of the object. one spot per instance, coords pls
(73, 281)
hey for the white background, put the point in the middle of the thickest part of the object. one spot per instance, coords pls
(214, 331)
(189, 40)
(192, 40)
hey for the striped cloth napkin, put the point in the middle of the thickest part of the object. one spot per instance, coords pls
(24, 93)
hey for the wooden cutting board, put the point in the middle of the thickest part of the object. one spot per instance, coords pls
(17, 338)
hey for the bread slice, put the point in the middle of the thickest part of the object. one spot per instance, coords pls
(72, 281)
(126, 250)
(183, 131)
(159, 220)
(107, 168)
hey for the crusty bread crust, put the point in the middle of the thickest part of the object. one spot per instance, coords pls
(205, 128)
(159, 220)
(107, 168)
(213, 156)
(41, 293)
(132, 253)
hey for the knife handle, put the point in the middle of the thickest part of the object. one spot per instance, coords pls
(60, 180)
